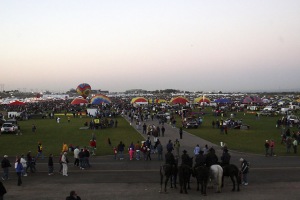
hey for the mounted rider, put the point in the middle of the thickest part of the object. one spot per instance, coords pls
(170, 159)
(185, 159)
(211, 158)
(225, 158)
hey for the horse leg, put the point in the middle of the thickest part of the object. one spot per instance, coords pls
(166, 183)
(198, 186)
(223, 181)
(175, 180)
(161, 180)
(233, 182)
(237, 183)
(188, 182)
(204, 182)
(185, 188)
(171, 180)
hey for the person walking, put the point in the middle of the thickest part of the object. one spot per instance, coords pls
(65, 147)
(272, 146)
(5, 164)
(267, 147)
(65, 161)
(295, 144)
(159, 149)
(24, 164)
(137, 148)
(19, 169)
(163, 129)
(121, 148)
(177, 147)
(39, 151)
(50, 165)
(93, 146)
(197, 150)
(244, 170)
(76, 158)
(180, 132)
(30, 163)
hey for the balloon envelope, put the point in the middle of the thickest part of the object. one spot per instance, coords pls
(179, 100)
(139, 100)
(79, 101)
(100, 99)
(83, 90)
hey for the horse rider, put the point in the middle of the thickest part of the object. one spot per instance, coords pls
(211, 158)
(185, 158)
(225, 158)
(170, 159)
(200, 159)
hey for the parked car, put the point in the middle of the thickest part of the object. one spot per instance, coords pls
(191, 123)
(268, 113)
(9, 128)
(293, 119)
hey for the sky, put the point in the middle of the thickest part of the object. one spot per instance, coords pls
(117, 45)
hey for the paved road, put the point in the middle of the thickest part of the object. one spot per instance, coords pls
(270, 178)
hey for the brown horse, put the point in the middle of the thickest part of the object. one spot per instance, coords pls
(202, 175)
(232, 171)
(168, 172)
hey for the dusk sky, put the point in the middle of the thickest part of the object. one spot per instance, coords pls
(116, 45)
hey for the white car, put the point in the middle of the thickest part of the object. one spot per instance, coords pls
(293, 119)
(9, 128)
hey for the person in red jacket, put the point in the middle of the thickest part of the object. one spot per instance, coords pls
(93, 146)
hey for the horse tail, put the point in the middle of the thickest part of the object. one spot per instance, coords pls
(220, 176)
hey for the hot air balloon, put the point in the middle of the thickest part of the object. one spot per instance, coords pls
(83, 90)
(100, 99)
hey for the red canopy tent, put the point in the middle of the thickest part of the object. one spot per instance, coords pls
(16, 103)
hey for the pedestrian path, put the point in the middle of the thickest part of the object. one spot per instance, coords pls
(188, 141)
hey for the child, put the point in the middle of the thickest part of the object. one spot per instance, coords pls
(115, 152)
(50, 165)
(131, 153)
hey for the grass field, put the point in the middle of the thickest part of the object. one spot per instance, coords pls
(251, 140)
(52, 135)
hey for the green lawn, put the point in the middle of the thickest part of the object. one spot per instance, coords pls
(251, 140)
(52, 135)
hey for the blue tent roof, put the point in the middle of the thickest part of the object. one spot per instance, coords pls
(223, 100)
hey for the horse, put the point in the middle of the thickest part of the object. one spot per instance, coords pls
(216, 173)
(202, 175)
(185, 172)
(168, 172)
(232, 171)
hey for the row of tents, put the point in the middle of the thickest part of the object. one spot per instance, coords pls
(103, 99)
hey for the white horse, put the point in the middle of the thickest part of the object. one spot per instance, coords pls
(216, 174)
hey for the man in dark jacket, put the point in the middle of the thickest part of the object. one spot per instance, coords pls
(186, 159)
(169, 158)
(5, 164)
(225, 158)
(200, 159)
(211, 158)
